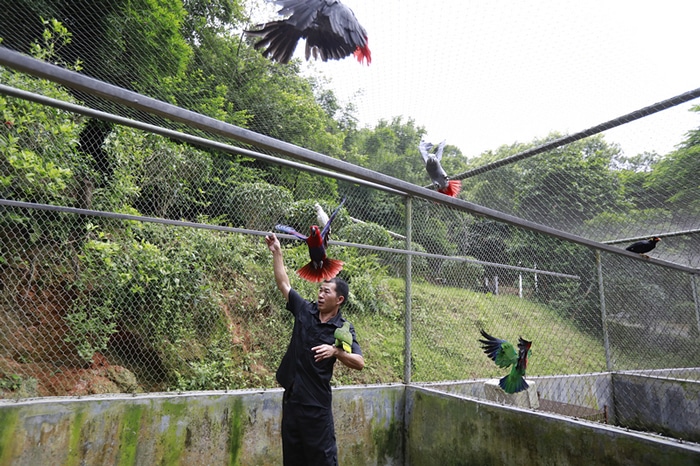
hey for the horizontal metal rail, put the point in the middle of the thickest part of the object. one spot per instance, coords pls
(206, 226)
(657, 235)
(74, 80)
(190, 139)
(553, 144)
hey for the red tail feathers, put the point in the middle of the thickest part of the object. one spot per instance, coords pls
(453, 188)
(331, 268)
(363, 53)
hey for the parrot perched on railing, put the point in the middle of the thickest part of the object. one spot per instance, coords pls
(321, 215)
(343, 337)
(437, 174)
(504, 355)
(330, 28)
(321, 267)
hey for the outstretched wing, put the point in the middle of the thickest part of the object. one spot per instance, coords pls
(327, 226)
(345, 24)
(302, 13)
(291, 231)
(438, 152)
(500, 351)
(424, 147)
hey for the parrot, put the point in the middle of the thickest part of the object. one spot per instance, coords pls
(437, 174)
(320, 267)
(343, 337)
(330, 28)
(642, 247)
(504, 355)
(321, 215)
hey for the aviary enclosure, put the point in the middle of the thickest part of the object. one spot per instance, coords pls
(136, 183)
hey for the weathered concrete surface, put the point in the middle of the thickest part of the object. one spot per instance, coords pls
(207, 428)
(593, 391)
(375, 425)
(525, 399)
(659, 404)
(447, 429)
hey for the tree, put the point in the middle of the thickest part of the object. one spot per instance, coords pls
(569, 185)
(675, 177)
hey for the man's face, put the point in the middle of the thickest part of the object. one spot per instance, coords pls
(327, 297)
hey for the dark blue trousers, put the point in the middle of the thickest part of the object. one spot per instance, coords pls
(308, 435)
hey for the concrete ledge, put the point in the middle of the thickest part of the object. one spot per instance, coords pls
(375, 425)
(525, 399)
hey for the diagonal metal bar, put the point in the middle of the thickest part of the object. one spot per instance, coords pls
(153, 106)
(621, 120)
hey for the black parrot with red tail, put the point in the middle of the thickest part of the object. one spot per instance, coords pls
(330, 28)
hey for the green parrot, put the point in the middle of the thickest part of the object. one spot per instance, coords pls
(343, 337)
(504, 355)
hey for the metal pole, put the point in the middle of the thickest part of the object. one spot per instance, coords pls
(694, 286)
(407, 316)
(520, 286)
(95, 87)
(606, 340)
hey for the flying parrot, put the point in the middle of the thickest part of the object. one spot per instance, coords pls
(642, 247)
(343, 337)
(437, 174)
(504, 355)
(321, 267)
(329, 27)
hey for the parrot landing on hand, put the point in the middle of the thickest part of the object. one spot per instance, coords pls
(504, 355)
(321, 266)
(343, 337)
(642, 247)
(330, 28)
(437, 174)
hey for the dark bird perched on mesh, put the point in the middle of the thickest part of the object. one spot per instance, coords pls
(329, 27)
(642, 247)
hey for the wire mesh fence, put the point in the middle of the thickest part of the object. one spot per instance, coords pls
(131, 258)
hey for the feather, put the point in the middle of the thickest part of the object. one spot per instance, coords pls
(435, 171)
(504, 355)
(321, 267)
(330, 28)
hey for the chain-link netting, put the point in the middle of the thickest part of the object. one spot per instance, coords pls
(131, 259)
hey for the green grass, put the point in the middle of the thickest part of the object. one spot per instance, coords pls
(445, 333)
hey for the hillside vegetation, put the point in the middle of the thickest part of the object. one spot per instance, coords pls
(92, 305)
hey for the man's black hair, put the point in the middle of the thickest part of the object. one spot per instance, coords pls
(341, 288)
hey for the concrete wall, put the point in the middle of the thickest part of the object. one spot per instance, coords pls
(654, 403)
(375, 425)
(593, 391)
(483, 433)
(208, 428)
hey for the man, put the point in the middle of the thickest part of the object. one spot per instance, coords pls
(308, 433)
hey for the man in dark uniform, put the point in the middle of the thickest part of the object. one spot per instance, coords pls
(308, 433)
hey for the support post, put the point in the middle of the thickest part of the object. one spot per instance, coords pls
(694, 286)
(603, 315)
(407, 313)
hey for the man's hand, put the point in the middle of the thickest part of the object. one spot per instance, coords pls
(353, 361)
(324, 352)
(273, 243)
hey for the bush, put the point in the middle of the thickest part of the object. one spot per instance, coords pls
(258, 206)
(463, 274)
